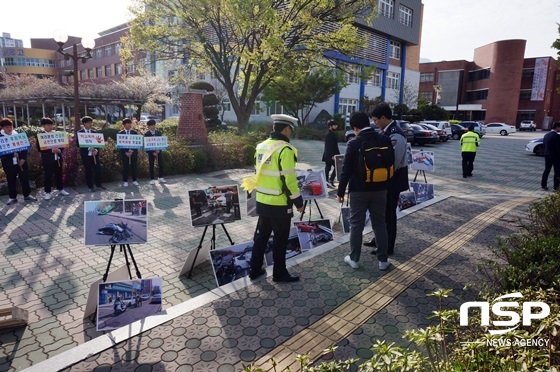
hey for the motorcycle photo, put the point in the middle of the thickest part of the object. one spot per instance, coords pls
(119, 307)
(118, 232)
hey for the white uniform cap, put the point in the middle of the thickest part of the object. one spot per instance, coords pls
(284, 119)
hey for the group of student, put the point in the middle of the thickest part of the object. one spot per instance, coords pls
(15, 164)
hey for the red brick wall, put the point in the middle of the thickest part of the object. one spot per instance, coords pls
(191, 123)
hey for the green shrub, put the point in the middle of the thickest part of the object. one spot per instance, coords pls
(200, 160)
(248, 154)
(110, 161)
(544, 217)
(110, 133)
(182, 159)
(310, 133)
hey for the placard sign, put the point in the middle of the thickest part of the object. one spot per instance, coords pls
(155, 143)
(14, 143)
(91, 140)
(129, 141)
(53, 140)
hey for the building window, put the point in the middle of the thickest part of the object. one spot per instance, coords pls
(386, 8)
(395, 50)
(528, 73)
(256, 108)
(91, 74)
(118, 69)
(130, 68)
(62, 63)
(98, 53)
(405, 15)
(108, 50)
(275, 108)
(118, 47)
(347, 106)
(477, 95)
(226, 104)
(525, 95)
(83, 75)
(108, 70)
(479, 74)
(99, 72)
(426, 96)
(375, 79)
(352, 73)
(393, 80)
(426, 77)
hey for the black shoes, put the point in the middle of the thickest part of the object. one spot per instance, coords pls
(254, 276)
(102, 187)
(544, 188)
(288, 278)
(371, 243)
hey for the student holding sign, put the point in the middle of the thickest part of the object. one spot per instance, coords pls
(50, 145)
(129, 156)
(152, 132)
(13, 155)
(90, 155)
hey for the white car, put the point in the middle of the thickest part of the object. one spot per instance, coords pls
(243, 262)
(536, 146)
(500, 128)
(145, 118)
(527, 125)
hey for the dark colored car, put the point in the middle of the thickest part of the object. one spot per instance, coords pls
(407, 129)
(457, 131)
(423, 136)
(441, 133)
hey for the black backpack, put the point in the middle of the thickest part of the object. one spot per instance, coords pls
(377, 159)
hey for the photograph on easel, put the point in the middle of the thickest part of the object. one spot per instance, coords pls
(338, 161)
(312, 184)
(293, 247)
(422, 191)
(406, 200)
(422, 160)
(313, 233)
(214, 205)
(124, 302)
(232, 263)
(252, 204)
(111, 222)
(345, 215)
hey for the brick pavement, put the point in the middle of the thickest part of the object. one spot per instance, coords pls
(48, 270)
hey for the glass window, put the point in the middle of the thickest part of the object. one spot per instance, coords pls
(426, 77)
(395, 51)
(275, 108)
(426, 96)
(98, 53)
(91, 74)
(479, 74)
(256, 108)
(525, 95)
(226, 104)
(352, 73)
(108, 50)
(477, 95)
(131, 68)
(108, 70)
(347, 106)
(405, 15)
(386, 8)
(393, 80)
(99, 72)
(118, 69)
(375, 79)
(83, 75)
(118, 47)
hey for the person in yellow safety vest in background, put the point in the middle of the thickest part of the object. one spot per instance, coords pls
(469, 142)
(277, 191)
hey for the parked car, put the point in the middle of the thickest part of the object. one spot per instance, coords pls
(156, 298)
(407, 130)
(478, 127)
(441, 133)
(536, 146)
(145, 118)
(243, 262)
(527, 125)
(441, 125)
(457, 131)
(500, 128)
(423, 136)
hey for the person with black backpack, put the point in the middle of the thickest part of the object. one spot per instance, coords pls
(367, 170)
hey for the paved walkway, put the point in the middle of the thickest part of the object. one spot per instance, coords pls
(48, 271)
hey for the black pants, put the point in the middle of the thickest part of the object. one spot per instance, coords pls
(152, 159)
(468, 163)
(281, 228)
(92, 170)
(50, 169)
(328, 164)
(391, 219)
(12, 174)
(549, 163)
(129, 163)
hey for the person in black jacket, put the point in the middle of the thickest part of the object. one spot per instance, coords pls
(551, 143)
(129, 157)
(382, 117)
(52, 163)
(363, 195)
(331, 149)
(153, 132)
(90, 157)
(15, 166)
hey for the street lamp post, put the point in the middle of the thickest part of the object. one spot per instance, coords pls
(88, 44)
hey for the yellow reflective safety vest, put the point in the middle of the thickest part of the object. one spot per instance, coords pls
(276, 169)
(469, 142)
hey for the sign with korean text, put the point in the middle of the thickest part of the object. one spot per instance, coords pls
(52, 140)
(14, 143)
(129, 141)
(155, 143)
(91, 140)
(539, 79)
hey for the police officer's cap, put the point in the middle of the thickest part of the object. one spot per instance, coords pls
(283, 119)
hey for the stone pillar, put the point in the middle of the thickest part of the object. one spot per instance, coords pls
(191, 122)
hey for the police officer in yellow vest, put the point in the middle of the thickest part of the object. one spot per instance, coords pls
(277, 191)
(469, 142)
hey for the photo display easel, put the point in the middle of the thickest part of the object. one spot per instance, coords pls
(422, 161)
(212, 244)
(312, 185)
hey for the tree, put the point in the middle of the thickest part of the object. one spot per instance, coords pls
(434, 112)
(400, 110)
(298, 89)
(410, 95)
(556, 45)
(369, 104)
(245, 44)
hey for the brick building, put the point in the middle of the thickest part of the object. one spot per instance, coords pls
(499, 85)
